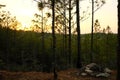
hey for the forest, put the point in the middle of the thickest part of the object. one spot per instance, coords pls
(57, 50)
(23, 50)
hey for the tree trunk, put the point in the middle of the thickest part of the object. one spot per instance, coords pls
(70, 32)
(79, 65)
(91, 55)
(65, 34)
(118, 52)
(54, 39)
(42, 34)
(43, 41)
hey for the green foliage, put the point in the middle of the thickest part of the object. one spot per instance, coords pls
(20, 50)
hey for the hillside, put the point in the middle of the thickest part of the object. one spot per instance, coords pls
(28, 51)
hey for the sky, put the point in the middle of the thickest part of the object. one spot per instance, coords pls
(106, 15)
(24, 10)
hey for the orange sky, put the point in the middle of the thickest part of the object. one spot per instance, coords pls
(25, 9)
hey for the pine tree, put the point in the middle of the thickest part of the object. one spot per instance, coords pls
(118, 52)
(70, 32)
(79, 65)
(91, 55)
(54, 39)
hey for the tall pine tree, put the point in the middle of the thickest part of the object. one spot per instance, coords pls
(79, 65)
(118, 52)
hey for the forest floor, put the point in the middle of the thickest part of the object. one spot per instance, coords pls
(70, 74)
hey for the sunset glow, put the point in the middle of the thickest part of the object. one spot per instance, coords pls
(24, 10)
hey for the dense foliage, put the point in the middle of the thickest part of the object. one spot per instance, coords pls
(20, 50)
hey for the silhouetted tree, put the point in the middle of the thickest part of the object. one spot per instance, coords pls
(79, 65)
(7, 20)
(96, 27)
(70, 32)
(41, 7)
(118, 52)
(91, 55)
(54, 39)
(65, 31)
(108, 30)
(96, 4)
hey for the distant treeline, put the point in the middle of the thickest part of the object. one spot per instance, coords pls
(27, 50)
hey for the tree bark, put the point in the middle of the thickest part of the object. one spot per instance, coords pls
(54, 39)
(70, 32)
(91, 55)
(79, 65)
(65, 33)
(118, 52)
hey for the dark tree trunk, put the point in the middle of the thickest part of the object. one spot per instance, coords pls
(43, 41)
(42, 34)
(54, 39)
(91, 55)
(118, 52)
(65, 33)
(70, 32)
(79, 65)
